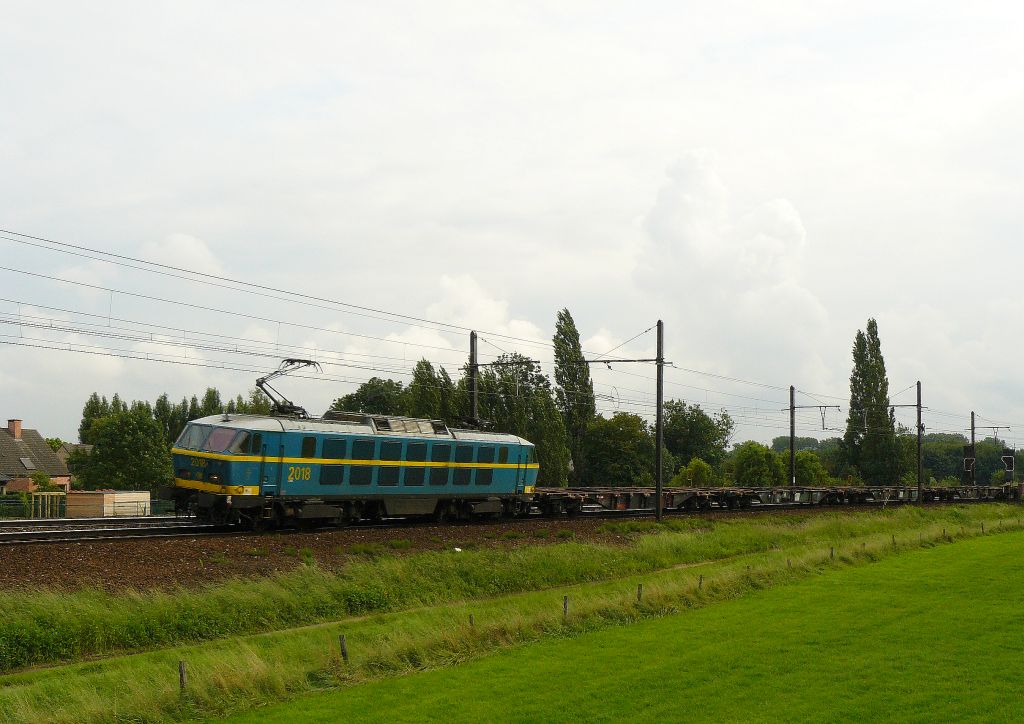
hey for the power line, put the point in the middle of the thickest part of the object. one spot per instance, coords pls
(247, 286)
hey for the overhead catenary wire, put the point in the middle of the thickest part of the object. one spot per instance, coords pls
(248, 286)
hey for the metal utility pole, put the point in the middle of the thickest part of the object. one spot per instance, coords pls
(920, 432)
(792, 435)
(659, 420)
(974, 451)
(793, 407)
(474, 403)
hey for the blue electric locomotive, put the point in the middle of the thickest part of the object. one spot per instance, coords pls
(256, 469)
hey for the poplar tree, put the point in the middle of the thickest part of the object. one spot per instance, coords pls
(870, 439)
(423, 395)
(574, 391)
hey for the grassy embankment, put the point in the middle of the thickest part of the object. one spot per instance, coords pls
(931, 636)
(237, 672)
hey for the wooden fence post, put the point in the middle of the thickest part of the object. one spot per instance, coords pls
(700, 582)
(832, 552)
(344, 648)
(182, 676)
(639, 592)
(472, 623)
(565, 606)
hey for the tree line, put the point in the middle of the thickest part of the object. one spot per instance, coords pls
(576, 444)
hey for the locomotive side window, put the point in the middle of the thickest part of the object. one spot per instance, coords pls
(463, 453)
(388, 475)
(362, 450)
(308, 447)
(503, 455)
(463, 476)
(335, 448)
(390, 451)
(414, 476)
(485, 454)
(437, 476)
(416, 452)
(240, 445)
(360, 475)
(257, 444)
(483, 476)
(332, 474)
(441, 453)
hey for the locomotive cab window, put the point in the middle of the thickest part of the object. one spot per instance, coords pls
(240, 445)
(193, 436)
(308, 447)
(257, 444)
(219, 439)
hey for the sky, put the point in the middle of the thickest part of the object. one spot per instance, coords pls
(763, 177)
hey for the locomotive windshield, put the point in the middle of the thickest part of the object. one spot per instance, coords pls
(214, 439)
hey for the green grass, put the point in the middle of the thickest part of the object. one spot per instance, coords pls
(239, 672)
(47, 627)
(929, 636)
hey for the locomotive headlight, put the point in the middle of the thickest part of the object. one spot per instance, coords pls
(214, 478)
(227, 500)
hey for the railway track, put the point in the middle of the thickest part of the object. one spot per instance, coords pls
(96, 529)
(13, 532)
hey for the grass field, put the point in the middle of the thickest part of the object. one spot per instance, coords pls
(414, 611)
(932, 635)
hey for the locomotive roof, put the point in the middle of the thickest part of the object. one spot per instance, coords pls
(358, 424)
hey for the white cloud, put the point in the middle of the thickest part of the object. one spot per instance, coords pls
(184, 251)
